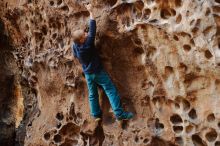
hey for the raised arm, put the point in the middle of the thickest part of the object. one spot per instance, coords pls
(92, 26)
(89, 8)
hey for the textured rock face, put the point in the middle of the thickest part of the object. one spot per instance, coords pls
(163, 56)
(11, 100)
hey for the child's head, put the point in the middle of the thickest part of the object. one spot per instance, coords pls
(79, 36)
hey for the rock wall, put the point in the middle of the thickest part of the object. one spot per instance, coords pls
(11, 99)
(163, 56)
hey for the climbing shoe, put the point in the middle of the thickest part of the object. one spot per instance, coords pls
(125, 116)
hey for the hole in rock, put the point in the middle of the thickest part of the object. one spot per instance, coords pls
(208, 11)
(211, 117)
(177, 129)
(72, 108)
(138, 51)
(158, 125)
(151, 51)
(65, 8)
(136, 139)
(173, 12)
(69, 129)
(51, 143)
(51, 3)
(176, 119)
(211, 135)
(187, 13)
(57, 138)
(179, 141)
(79, 115)
(187, 47)
(146, 140)
(139, 5)
(178, 18)
(154, 21)
(29, 106)
(30, 124)
(216, 9)
(147, 13)
(195, 30)
(47, 136)
(59, 2)
(192, 114)
(198, 22)
(178, 99)
(44, 29)
(59, 125)
(54, 35)
(178, 3)
(168, 70)
(124, 125)
(208, 54)
(136, 41)
(59, 116)
(189, 128)
(185, 34)
(182, 66)
(38, 36)
(192, 42)
(217, 1)
(186, 105)
(175, 38)
(125, 7)
(165, 14)
(217, 143)
(70, 117)
(218, 124)
(191, 23)
(158, 99)
(207, 30)
(198, 141)
(198, 69)
(54, 131)
(110, 2)
(177, 106)
(26, 27)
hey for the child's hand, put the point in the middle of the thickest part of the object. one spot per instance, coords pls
(88, 7)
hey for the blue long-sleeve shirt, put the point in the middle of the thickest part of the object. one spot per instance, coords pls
(87, 53)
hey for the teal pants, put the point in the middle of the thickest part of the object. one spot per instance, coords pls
(102, 78)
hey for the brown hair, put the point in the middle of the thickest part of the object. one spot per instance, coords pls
(77, 35)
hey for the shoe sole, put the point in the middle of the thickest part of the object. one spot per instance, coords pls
(97, 119)
(124, 120)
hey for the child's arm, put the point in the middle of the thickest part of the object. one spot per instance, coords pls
(92, 26)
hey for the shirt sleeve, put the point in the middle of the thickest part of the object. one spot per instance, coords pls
(92, 32)
(74, 50)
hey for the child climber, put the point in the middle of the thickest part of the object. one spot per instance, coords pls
(84, 49)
